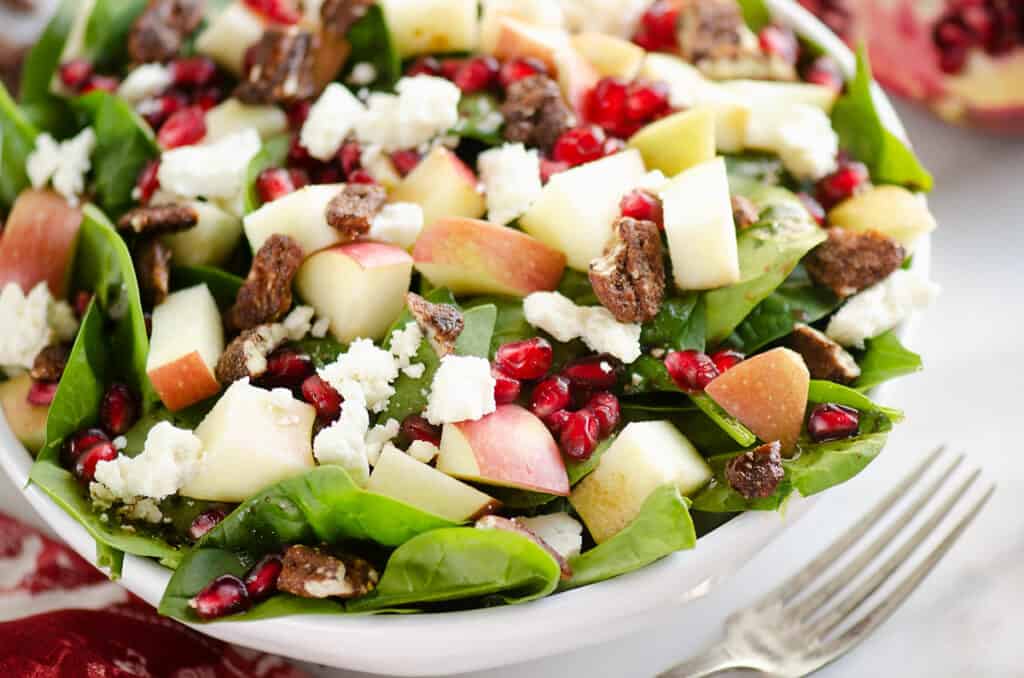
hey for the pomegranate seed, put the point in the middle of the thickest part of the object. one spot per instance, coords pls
(556, 421)
(605, 407)
(279, 11)
(184, 128)
(605, 103)
(978, 20)
(549, 396)
(101, 83)
(204, 522)
(273, 183)
(506, 388)
(298, 113)
(692, 371)
(520, 69)
(209, 97)
(328, 174)
(360, 176)
(657, 31)
(549, 168)
(845, 182)
(953, 59)
(81, 303)
(119, 410)
(148, 181)
(814, 207)
(322, 397)
(832, 422)
(85, 465)
(194, 71)
(223, 596)
(41, 392)
(350, 155)
(287, 369)
(416, 428)
(579, 145)
(644, 206)
(824, 71)
(527, 359)
(594, 372)
(297, 153)
(450, 67)
(405, 161)
(74, 74)
(579, 434)
(78, 443)
(156, 110)
(477, 74)
(726, 359)
(261, 581)
(779, 41)
(646, 101)
(424, 66)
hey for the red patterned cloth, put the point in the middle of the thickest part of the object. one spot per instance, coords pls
(62, 618)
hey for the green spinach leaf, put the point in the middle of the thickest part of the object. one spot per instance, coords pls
(575, 285)
(578, 470)
(480, 119)
(322, 351)
(510, 323)
(105, 43)
(372, 43)
(798, 300)
(223, 286)
(885, 358)
(681, 324)
(273, 154)
(725, 421)
(46, 110)
(17, 139)
(756, 14)
(830, 392)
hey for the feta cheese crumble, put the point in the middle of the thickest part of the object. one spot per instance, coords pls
(214, 170)
(405, 344)
(363, 73)
(65, 163)
(169, 460)
(880, 308)
(806, 142)
(379, 436)
(147, 80)
(560, 531)
(398, 223)
(462, 390)
(370, 368)
(424, 108)
(330, 120)
(595, 325)
(29, 323)
(423, 451)
(343, 443)
(511, 178)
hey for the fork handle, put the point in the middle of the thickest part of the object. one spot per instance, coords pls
(713, 661)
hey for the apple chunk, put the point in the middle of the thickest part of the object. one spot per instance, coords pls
(767, 394)
(575, 211)
(534, 12)
(645, 456)
(233, 116)
(301, 215)
(359, 287)
(39, 241)
(610, 55)
(229, 35)
(700, 229)
(186, 343)
(469, 256)
(27, 421)
(443, 186)
(892, 210)
(210, 242)
(252, 438)
(509, 447)
(432, 26)
(678, 142)
(399, 476)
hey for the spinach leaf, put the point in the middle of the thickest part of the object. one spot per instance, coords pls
(862, 133)
(681, 324)
(223, 285)
(578, 470)
(764, 168)
(463, 562)
(273, 154)
(575, 285)
(322, 352)
(798, 300)
(189, 418)
(755, 13)
(885, 358)
(105, 43)
(831, 392)
(372, 43)
(17, 139)
(663, 526)
(46, 110)
(725, 421)
(512, 498)
(480, 119)
(510, 323)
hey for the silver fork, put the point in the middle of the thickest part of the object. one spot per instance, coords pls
(784, 635)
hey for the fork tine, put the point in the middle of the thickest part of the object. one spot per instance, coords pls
(799, 582)
(873, 618)
(854, 600)
(838, 582)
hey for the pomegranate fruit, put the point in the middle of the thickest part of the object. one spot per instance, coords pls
(849, 179)
(322, 396)
(75, 73)
(261, 580)
(278, 11)
(515, 70)
(593, 372)
(287, 369)
(415, 427)
(657, 29)
(579, 145)
(644, 206)
(204, 522)
(476, 74)
(579, 434)
(427, 65)
(829, 421)
(506, 388)
(101, 83)
(405, 161)
(550, 396)
(273, 183)
(726, 359)
(78, 443)
(606, 407)
(184, 128)
(85, 465)
(148, 181)
(119, 410)
(223, 596)
(194, 71)
(692, 371)
(527, 359)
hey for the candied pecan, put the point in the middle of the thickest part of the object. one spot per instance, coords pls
(629, 280)
(711, 29)
(851, 261)
(49, 364)
(282, 68)
(535, 112)
(152, 264)
(312, 572)
(352, 211)
(156, 219)
(159, 33)
(442, 323)
(338, 16)
(756, 473)
(246, 355)
(513, 525)
(744, 212)
(749, 64)
(825, 358)
(266, 294)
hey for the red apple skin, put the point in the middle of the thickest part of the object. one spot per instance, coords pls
(470, 256)
(184, 382)
(27, 421)
(374, 254)
(39, 241)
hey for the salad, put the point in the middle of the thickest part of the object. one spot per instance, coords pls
(343, 306)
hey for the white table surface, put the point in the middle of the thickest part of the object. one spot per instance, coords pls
(965, 619)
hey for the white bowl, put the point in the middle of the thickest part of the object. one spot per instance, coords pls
(432, 644)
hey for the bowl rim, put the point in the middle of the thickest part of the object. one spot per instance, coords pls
(455, 642)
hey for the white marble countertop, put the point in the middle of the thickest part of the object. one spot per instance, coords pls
(963, 621)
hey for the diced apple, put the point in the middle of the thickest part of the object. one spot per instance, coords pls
(509, 447)
(677, 142)
(229, 35)
(301, 215)
(575, 211)
(432, 26)
(186, 343)
(39, 241)
(443, 186)
(399, 476)
(360, 287)
(700, 229)
(469, 256)
(610, 55)
(26, 421)
(892, 210)
(767, 394)
(535, 12)
(645, 456)
(252, 438)
(763, 93)
(210, 242)
(233, 116)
